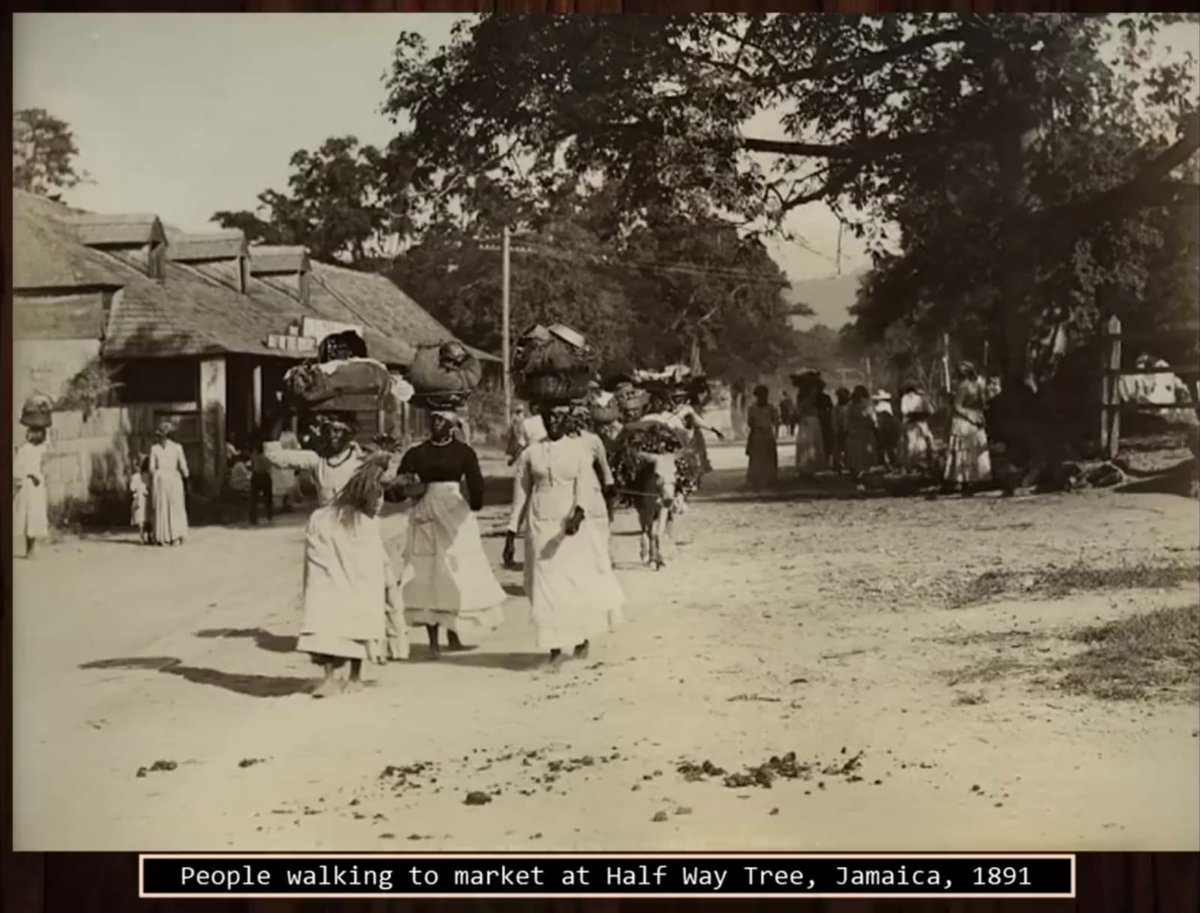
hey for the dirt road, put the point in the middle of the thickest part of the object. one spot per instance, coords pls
(911, 654)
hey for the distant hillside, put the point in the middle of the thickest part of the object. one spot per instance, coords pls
(829, 298)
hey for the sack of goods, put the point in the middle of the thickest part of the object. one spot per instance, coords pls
(631, 401)
(341, 346)
(445, 369)
(38, 412)
(349, 385)
(604, 409)
(626, 457)
(552, 365)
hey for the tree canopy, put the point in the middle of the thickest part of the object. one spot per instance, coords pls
(44, 154)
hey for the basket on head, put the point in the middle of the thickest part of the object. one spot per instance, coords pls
(37, 412)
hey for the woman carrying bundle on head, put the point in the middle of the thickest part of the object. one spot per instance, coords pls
(333, 459)
(349, 587)
(574, 595)
(448, 581)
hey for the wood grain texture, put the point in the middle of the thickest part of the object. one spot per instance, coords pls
(107, 883)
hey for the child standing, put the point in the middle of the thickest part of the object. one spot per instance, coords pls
(139, 492)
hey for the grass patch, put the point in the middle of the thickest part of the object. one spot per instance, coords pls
(1056, 582)
(1151, 655)
(988, 670)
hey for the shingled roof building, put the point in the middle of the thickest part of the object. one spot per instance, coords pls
(202, 326)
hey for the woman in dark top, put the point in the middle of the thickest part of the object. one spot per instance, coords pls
(448, 581)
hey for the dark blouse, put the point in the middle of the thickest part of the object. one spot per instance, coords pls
(452, 462)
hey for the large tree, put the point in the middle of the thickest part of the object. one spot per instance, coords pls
(44, 154)
(332, 206)
(872, 113)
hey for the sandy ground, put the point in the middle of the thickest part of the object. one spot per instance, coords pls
(812, 625)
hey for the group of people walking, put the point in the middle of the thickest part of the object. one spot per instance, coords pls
(357, 609)
(855, 432)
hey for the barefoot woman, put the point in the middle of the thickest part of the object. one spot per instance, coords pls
(574, 596)
(348, 580)
(448, 582)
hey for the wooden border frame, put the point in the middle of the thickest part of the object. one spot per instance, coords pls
(108, 883)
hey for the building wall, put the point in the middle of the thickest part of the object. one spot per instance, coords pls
(89, 459)
(47, 366)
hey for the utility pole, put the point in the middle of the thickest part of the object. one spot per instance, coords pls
(506, 329)
(841, 226)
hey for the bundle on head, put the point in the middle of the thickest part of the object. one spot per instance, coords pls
(364, 491)
(37, 412)
(337, 385)
(447, 368)
(341, 346)
(552, 365)
(627, 450)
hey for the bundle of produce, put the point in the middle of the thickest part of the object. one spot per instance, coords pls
(337, 385)
(341, 346)
(604, 409)
(560, 387)
(631, 401)
(450, 401)
(37, 412)
(626, 457)
(445, 369)
(552, 365)
(551, 350)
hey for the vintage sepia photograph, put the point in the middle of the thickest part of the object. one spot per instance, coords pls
(589, 433)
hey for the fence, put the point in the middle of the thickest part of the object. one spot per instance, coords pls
(1112, 404)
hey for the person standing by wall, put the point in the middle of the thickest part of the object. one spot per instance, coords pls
(262, 489)
(168, 487)
(30, 520)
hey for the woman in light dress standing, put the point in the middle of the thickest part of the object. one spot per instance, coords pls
(968, 462)
(30, 521)
(168, 488)
(574, 596)
(810, 439)
(448, 581)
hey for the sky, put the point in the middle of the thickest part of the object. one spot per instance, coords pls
(182, 115)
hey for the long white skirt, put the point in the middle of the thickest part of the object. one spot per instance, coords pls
(30, 519)
(170, 508)
(572, 589)
(345, 585)
(448, 580)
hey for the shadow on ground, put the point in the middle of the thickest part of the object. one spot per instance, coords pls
(249, 685)
(264, 640)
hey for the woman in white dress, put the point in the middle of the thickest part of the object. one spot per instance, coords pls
(168, 488)
(30, 521)
(574, 596)
(597, 498)
(333, 461)
(448, 581)
(348, 580)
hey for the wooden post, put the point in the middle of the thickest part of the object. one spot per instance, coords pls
(256, 399)
(506, 329)
(946, 362)
(212, 422)
(1110, 393)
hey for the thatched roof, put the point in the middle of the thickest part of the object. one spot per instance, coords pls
(225, 245)
(198, 309)
(47, 253)
(119, 230)
(268, 260)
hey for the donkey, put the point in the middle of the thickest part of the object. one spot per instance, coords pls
(655, 502)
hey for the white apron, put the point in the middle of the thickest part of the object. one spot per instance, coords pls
(30, 519)
(448, 580)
